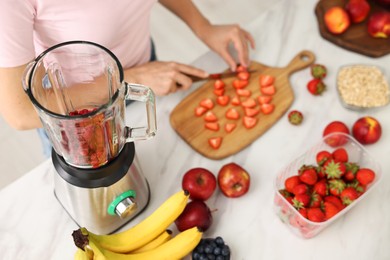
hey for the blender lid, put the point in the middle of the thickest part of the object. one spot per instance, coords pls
(103, 176)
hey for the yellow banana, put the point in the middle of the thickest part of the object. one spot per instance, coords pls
(176, 248)
(145, 231)
(158, 241)
(81, 255)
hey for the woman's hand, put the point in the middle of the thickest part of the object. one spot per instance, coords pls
(218, 38)
(163, 77)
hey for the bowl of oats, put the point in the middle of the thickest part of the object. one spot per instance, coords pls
(362, 87)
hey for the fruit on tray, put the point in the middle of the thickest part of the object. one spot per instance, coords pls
(245, 106)
(233, 180)
(123, 245)
(321, 190)
(200, 183)
(335, 127)
(295, 117)
(195, 214)
(378, 25)
(336, 20)
(211, 248)
(367, 130)
(357, 10)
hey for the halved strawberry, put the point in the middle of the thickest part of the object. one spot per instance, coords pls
(244, 92)
(223, 100)
(219, 84)
(199, 111)
(266, 80)
(269, 90)
(249, 102)
(229, 127)
(219, 92)
(210, 117)
(236, 101)
(249, 122)
(267, 108)
(232, 113)
(264, 99)
(215, 142)
(207, 103)
(213, 126)
(239, 84)
(244, 75)
(251, 111)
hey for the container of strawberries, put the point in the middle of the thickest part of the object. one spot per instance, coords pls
(324, 183)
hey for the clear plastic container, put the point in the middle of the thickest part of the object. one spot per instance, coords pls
(363, 87)
(299, 225)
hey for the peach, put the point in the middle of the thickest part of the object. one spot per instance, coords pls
(358, 10)
(336, 20)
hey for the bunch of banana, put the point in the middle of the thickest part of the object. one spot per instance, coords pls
(150, 239)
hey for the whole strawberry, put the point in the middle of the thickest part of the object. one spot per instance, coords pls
(349, 195)
(308, 174)
(318, 71)
(316, 86)
(295, 117)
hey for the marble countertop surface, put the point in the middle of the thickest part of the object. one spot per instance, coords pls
(35, 226)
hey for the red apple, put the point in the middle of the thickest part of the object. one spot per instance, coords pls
(358, 10)
(335, 127)
(196, 213)
(378, 25)
(367, 130)
(336, 20)
(233, 180)
(200, 183)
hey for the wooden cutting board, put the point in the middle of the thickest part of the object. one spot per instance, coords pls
(356, 37)
(193, 131)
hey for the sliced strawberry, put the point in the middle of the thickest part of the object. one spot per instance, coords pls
(210, 117)
(219, 92)
(244, 92)
(249, 122)
(207, 103)
(229, 127)
(269, 90)
(219, 84)
(251, 111)
(241, 68)
(215, 142)
(236, 101)
(264, 99)
(213, 126)
(232, 113)
(267, 108)
(244, 75)
(266, 80)
(223, 100)
(239, 84)
(249, 102)
(199, 111)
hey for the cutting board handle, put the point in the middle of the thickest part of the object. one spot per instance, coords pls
(300, 61)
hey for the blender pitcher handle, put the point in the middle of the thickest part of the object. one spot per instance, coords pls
(144, 94)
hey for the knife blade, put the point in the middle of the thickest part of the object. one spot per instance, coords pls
(221, 75)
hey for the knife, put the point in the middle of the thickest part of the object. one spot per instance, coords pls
(221, 75)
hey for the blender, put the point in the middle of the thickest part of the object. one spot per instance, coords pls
(79, 93)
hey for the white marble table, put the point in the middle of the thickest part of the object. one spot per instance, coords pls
(34, 226)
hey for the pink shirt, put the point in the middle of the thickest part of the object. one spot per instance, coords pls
(28, 27)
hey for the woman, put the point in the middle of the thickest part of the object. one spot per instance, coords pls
(28, 27)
